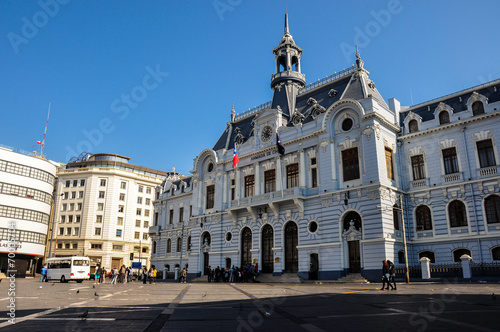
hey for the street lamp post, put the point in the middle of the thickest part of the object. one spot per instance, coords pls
(182, 244)
(404, 238)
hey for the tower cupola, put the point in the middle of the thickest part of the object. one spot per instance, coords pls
(287, 79)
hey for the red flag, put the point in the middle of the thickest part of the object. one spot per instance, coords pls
(39, 142)
(236, 159)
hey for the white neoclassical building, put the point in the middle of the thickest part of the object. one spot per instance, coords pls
(104, 210)
(26, 188)
(333, 201)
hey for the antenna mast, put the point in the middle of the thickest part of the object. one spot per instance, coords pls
(45, 133)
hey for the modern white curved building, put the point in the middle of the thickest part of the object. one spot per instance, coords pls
(26, 189)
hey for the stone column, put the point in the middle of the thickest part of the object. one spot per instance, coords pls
(302, 169)
(279, 175)
(225, 189)
(257, 179)
(466, 266)
(426, 268)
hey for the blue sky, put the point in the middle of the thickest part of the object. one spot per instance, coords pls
(185, 62)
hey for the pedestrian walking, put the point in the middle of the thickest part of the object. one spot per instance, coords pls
(114, 275)
(97, 274)
(183, 275)
(385, 276)
(144, 275)
(43, 276)
(392, 274)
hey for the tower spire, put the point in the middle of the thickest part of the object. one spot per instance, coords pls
(286, 24)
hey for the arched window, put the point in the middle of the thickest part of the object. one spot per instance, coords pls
(495, 253)
(492, 207)
(444, 117)
(459, 252)
(179, 244)
(457, 214)
(169, 246)
(477, 108)
(413, 126)
(423, 216)
(205, 239)
(428, 254)
(154, 247)
(354, 217)
(189, 243)
(401, 257)
(395, 217)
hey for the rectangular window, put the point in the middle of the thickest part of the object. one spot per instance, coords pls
(61, 231)
(121, 208)
(97, 231)
(450, 161)
(146, 213)
(314, 177)
(77, 219)
(73, 194)
(98, 219)
(70, 218)
(118, 233)
(80, 194)
(137, 223)
(269, 181)
(138, 212)
(64, 207)
(156, 219)
(417, 165)
(139, 200)
(146, 224)
(233, 189)
(103, 183)
(249, 185)
(119, 221)
(79, 207)
(59, 246)
(148, 201)
(68, 231)
(122, 197)
(101, 194)
(63, 219)
(388, 164)
(66, 246)
(123, 185)
(137, 235)
(82, 183)
(181, 214)
(66, 195)
(145, 236)
(292, 175)
(210, 197)
(100, 206)
(141, 189)
(75, 245)
(75, 183)
(71, 207)
(486, 153)
(117, 247)
(171, 216)
(148, 190)
(96, 246)
(350, 164)
(68, 183)
(77, 231)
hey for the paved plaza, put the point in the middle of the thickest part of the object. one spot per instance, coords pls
(251, 307)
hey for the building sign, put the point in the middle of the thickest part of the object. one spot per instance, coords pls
(277, 260)
(264, 154)
(254, 261)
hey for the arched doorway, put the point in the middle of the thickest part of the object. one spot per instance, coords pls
(313, 266)
(267, 249)
(246, 246)
(205, 249)
(291, 251)
(352, 234)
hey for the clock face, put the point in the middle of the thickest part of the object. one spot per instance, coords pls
(266, 134)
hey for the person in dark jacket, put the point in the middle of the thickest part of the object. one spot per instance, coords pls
(392, 274)
(385, 276)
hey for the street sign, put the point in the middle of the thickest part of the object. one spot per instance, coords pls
(136, 265)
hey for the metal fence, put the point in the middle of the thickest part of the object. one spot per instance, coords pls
(485, 269)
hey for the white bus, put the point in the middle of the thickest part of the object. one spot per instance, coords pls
(68, 268)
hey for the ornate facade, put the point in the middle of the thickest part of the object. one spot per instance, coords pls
(333, 203)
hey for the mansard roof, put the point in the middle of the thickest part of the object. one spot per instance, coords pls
(457, 101)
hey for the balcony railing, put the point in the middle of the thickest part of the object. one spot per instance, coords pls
(276, 195)
(487, 171)
(420, 183)
(452, 177)
(154, 229)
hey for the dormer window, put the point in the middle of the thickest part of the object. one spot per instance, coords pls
(413, 126)
(477, 108)
(444, 117)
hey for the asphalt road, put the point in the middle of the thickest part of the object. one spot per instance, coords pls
(250, 307)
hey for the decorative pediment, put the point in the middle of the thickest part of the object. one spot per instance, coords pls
(297, 118)
(447, 143)
(267, 165)
(332, 93)
(317, 109)
(351, 234)
(415, 151)
(482, 135)
(290, 159)
(348, 143)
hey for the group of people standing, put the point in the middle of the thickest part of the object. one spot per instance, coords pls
(233, 274)
(149, 275)
(122, 275)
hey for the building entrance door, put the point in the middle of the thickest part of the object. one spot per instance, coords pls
(246, 245)
(206, 260)
(291, 251)
(354, 257)
(267, 249)
(313, 267)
